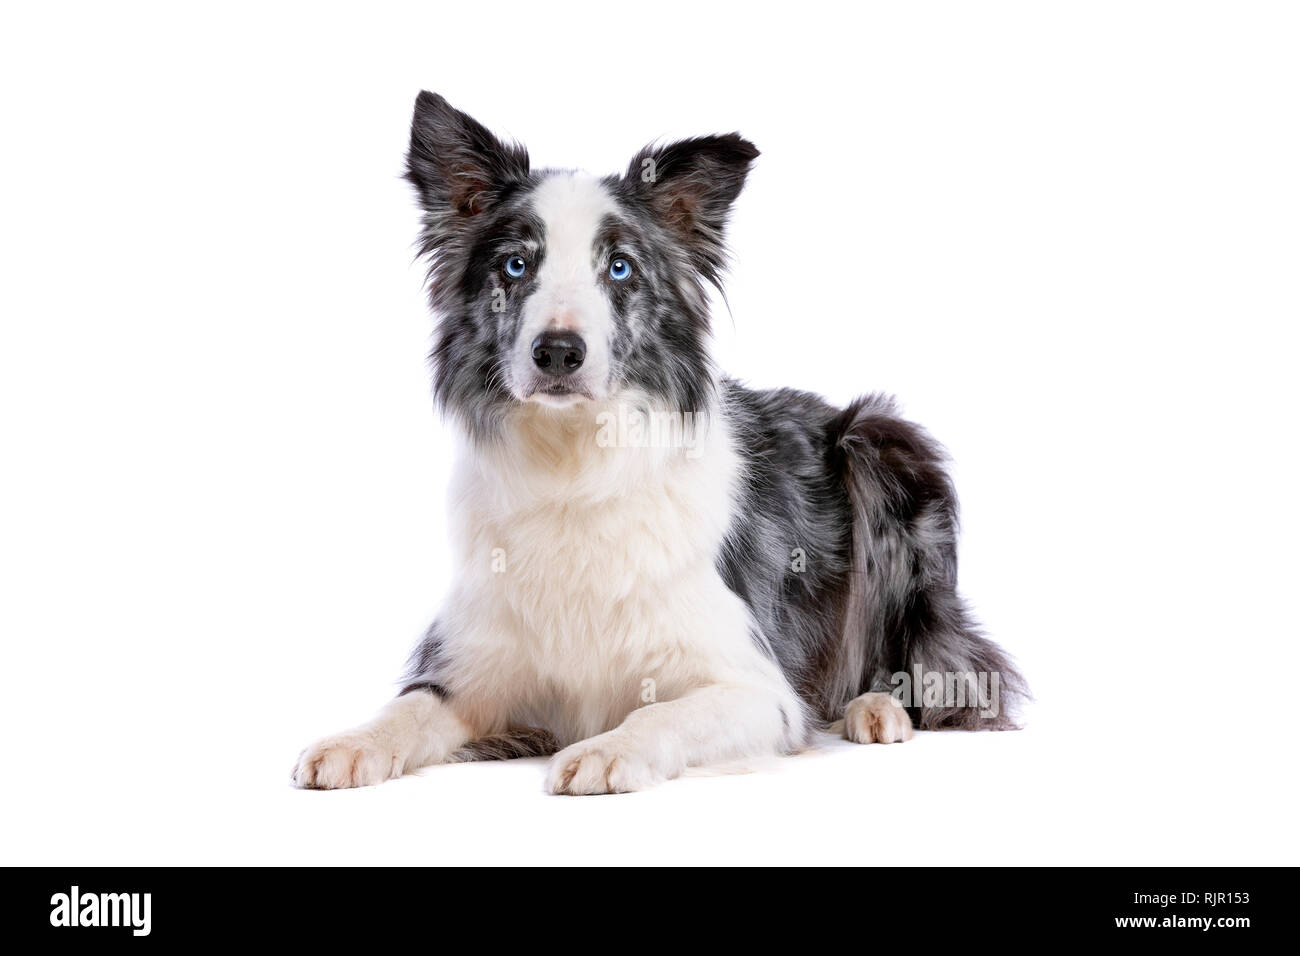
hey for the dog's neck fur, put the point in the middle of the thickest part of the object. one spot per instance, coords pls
(542, 454)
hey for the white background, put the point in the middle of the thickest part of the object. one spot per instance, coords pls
(1066, 236)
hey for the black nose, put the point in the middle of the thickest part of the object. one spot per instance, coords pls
(560, 353)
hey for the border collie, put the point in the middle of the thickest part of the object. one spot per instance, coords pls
(657, 567)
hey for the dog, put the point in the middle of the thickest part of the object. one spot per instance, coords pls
(657, 567)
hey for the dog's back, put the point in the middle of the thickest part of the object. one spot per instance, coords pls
(845, 550)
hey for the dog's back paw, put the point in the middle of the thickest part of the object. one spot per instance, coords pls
(876, 719)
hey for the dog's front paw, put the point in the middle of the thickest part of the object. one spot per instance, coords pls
(356, 758)
(608, 763)
(876, 719)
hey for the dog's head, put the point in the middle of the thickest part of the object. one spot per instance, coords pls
(558, 288)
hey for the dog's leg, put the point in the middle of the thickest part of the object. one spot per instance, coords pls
(413, 730)
(658, 741)
(903, 610)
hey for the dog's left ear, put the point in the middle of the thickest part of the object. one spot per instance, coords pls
(690, 186)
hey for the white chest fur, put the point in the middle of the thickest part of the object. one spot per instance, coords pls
(588, 582)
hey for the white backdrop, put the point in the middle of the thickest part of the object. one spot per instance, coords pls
(1065, 235)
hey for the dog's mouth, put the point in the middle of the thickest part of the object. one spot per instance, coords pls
(557, 392)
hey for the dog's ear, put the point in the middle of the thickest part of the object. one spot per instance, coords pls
(690, 186)
(459, 168)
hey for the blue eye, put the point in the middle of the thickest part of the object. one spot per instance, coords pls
(620, 269)
(516, 267)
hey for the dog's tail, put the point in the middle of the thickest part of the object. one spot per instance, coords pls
(902, 614)
(521, 742)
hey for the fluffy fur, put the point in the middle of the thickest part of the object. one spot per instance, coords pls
(643, 605)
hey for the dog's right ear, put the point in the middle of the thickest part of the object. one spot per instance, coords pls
(458, 167)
